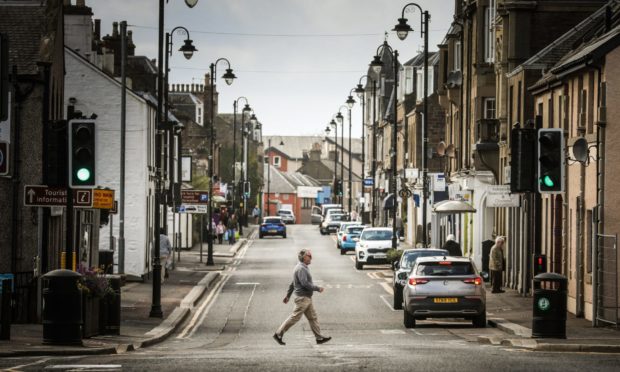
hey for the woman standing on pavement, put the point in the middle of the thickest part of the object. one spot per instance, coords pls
(496, 264)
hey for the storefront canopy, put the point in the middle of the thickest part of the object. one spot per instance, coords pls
(452, 207)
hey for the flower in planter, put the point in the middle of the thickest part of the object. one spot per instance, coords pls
(93, 282)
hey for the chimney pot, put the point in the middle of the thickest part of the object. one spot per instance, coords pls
(81, 3)
(97, 29)
(115, 29)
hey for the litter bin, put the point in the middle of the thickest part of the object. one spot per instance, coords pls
(106, 261)
(549, 307)
(62, 308)
(110, 312)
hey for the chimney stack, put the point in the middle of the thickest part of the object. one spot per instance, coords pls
(97, 29)
(115, 29)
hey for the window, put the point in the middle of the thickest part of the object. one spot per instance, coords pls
(419, 83)
(276, 161)
(489, 108)
(307, 203)
(408, 79)
(489, 35)
(457, 56)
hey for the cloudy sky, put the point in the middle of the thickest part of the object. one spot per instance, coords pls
(295, 60)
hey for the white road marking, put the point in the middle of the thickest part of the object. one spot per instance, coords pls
(393, 332)
(84, 366)
(201, 313)
(242, 283)
(388, 288)
(17, 368)
(387, 303)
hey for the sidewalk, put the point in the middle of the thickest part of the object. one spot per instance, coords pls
(512, 313)
(179, 294)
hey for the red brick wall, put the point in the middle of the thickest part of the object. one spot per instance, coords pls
(283, 160)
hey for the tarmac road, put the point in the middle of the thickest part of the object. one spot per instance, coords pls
(231, 328)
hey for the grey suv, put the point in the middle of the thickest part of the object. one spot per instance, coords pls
(444, 287)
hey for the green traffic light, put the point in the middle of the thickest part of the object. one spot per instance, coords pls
(83, 174)
(548, 181)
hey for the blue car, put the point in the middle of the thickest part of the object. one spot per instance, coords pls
(350, 237)
(272, 226)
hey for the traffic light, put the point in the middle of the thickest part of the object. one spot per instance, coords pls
(246, 190)
(551, 160)
(540, 263)
(522, 160)
(81, 153)
(4, 78)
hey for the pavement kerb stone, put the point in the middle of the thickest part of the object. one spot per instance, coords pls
(166, 328)
(583, 348)
(510, 327)
(199, 289)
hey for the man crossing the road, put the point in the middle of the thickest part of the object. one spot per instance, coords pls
(303, 287)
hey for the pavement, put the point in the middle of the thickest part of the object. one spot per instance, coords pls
(186, 285)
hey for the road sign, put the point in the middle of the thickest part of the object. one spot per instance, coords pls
(114, 210)
(193, 208)
(103, 199)
(4, 158)
(404, 193)
(194, 196)
(369, 181)
(44, 196)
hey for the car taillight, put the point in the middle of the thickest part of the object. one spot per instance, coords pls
(413, 281)
(476, 281)
(344, 238)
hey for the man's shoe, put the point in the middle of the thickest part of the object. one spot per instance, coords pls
(322, 340)
(278, 339)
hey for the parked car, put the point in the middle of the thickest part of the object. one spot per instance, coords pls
(402, 268)
(341, 229)
(272, 225)
(372, 247)
(349, 238)
(316, 216)
(287, 215)
(332, 223)
(444, 287)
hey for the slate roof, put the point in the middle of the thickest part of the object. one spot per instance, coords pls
(552, 53)
(24, 22)
(330, 165)
(286, 183)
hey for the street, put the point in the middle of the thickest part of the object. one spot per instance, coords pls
(231, 327)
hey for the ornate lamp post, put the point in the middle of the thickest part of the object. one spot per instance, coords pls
(236, 183)
(156, 311)
(376, 65)
(228, 77)
(247, 129)
(350, 102)
(334, 124)
(402, 30)
(340, 120)
(360, 91)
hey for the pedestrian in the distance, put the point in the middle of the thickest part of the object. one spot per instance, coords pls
(256, 214)
(232, 227)
(303, 287)
(496, 264)
(451, 245)
(164, 251)
(219, 230)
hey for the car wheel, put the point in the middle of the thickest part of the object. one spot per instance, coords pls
(343, 252)
(398, 298)
(481, 320)
(283, 236)
(408, 320)
(359, 265)
(322, 232)
(260, 236)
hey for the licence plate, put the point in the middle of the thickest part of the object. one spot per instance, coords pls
(273, 231)
(379, 256)
(445, 300)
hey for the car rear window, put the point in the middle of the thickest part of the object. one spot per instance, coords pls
(410, 257)
(377, 235)
(273, 220)
(284, 212)
(444, 268)
(339, 217)
(355, 230)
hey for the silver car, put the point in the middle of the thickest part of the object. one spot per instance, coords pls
(403, 267)
(444, 287)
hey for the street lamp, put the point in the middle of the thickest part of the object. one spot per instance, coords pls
(334, 124)
(402, 30)
(156, 311)
(246, 109)
(377, 65)
(247, 128)
(229, 78)
(350, 102)
(269, 176)
(360, 91)
(340, 120)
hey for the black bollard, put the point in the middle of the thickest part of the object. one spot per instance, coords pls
(5, 329)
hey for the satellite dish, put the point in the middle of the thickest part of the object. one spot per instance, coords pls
(441, 148)
(581, 152)
(450, 150)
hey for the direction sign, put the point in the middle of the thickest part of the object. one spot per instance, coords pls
(369, 181)
(4, 158)
(103, 199)
(194, 197)
(44, 196)
(193, 208)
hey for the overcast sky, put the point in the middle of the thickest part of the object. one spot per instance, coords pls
(295, 60)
